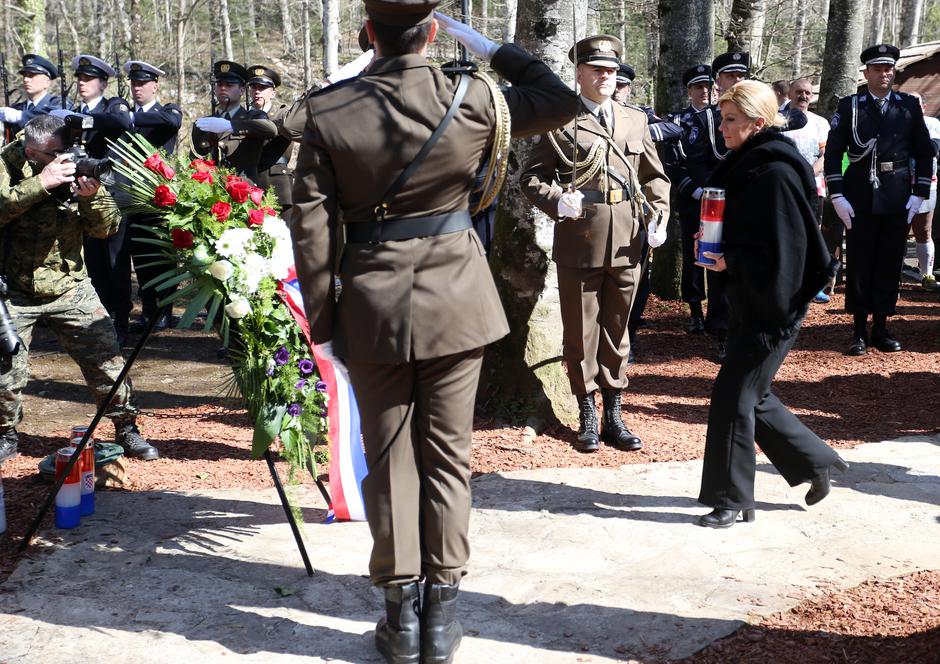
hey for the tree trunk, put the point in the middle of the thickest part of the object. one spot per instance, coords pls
(843, 44)
(878, 9)
(305, 30)
(509, 22)
(798, 31)
(523, 372)
(181, 10)
(746, 28)
(253, 19)
(622, 21)
(287, 26)
(593, 18)
(910, 29)
(685, 38)
(652, 53)
(330, 36)
(484, 14)
(225, 29)
(31, 25)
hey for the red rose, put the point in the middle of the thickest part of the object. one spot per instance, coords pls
(255, 217)
(256, 194)
(202, 165)
(202, 176)
(163, 196)
(182, 239)
(269, 211)
(221, 210)
(238, 189)
(160, 167)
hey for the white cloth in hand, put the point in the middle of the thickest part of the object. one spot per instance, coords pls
(214, 125)
(697, 194)
(476, 43)
(656, 234)
(844, 210)
(913, 206)
(352, 69)
(10, 114)
(569, 205)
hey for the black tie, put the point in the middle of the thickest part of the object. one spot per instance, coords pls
(883, 105)
(85, 109)
(29, 105)
(602, 115)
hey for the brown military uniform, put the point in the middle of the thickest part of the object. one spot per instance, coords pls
(598, 256)
(240, 148)
(414, 314)
(274, 163)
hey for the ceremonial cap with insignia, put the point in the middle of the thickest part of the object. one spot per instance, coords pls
(881, 54)
(400, 13)
(138, 70)
(230, 72)
(625, 74)
(729, 63)
(697, 74)
(598, 51)
(92, 66)
(36, 64)
(261, 75)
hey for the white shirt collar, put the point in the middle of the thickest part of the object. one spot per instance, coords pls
(146, 107)
(594, 107)
(38, 101)
(92, 104)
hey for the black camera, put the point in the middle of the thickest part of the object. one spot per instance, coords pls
(85, 166)
(10, 342)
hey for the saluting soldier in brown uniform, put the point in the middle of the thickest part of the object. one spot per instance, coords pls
(274, 166)
(418, 301)
(598, 246)
(233, 137)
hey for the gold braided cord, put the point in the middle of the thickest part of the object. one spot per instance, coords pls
(596, 160)
(498, 162)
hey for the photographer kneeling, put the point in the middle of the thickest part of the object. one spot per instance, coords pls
(44, 209)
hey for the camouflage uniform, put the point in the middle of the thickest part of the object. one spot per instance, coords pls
(41, 255)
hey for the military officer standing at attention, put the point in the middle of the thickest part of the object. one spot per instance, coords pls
(274, 166)
(160, 125)
(233, 137)
(418, 301)
(883, 133)
(38, 74)
(620, 195)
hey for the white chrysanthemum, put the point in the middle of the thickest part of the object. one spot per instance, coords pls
(201, 255)
(254, 269)
(279, 264)
(233, 243)
(221, 270)
(275, 227)
(238, 307)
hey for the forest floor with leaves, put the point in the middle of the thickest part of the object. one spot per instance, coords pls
(204, 441)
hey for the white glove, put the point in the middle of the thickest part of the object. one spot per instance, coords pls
(64, 113)
(656, 234)
(697, 194)
(913, 206)
(569, 205)
(10, 115)
(352, 69)
(476, 43)
(844, 210)
(214, 125)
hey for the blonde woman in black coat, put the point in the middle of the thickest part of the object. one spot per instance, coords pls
(774, 261)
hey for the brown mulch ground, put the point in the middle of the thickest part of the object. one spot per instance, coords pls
(845, 400)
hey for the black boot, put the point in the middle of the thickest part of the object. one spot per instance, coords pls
(588, 438)
(9, 440)
(615, 431)
(881, 338)
(820, 485)
(127, 435)
(440, 630)
(722, 518)
(398, 634)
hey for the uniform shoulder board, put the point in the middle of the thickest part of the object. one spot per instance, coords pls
(173, 108)
(116, 103)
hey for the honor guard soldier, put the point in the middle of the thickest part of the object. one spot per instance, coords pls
(38, 74)
(888, 177)
(160, 125)
(274, 166)
(620, 195)
(233, 137)
(418, 300)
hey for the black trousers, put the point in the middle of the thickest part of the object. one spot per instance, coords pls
(109, 266)
(744, 411)
(875, 246)
(695, 278)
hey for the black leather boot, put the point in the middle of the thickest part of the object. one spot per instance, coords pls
(9, 441)
(440, 630)
(398, 634)
(127, 435)
(588, 438)
(722, 518)
(820, 485)
(615, 432)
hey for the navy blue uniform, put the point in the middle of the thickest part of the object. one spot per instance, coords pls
(43, 107)
(890, 158)
(160, 125)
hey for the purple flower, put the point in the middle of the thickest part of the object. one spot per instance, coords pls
(320, 386)
(301, 384)
(293, 410)
(270, 370)
(282, 356)
(306, 367)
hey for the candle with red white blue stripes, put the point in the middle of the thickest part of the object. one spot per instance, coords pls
(68, 501)
(710, 224)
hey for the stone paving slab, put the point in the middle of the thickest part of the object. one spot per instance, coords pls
(585, 565)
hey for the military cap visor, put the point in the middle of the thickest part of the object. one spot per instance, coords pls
(729, 63)
(261, 75)
(138, 70)
(881, 54)
(36, 64)
(400, 13)
(625, 75)
(697, 74)
(92, 66)
(226, 71)
(598, 51)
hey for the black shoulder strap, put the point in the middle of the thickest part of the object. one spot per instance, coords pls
(382, 208)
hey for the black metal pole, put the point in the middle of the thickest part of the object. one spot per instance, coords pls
(104, 405)
(287, 511)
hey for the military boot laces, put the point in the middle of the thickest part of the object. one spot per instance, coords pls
(128, 436)
(440, 630)
(615, 431)
(398, 634)
(9, 440)
(588, 438)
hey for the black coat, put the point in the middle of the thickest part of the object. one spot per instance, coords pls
(776, 256)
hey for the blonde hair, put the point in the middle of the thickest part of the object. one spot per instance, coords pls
(755, 100)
